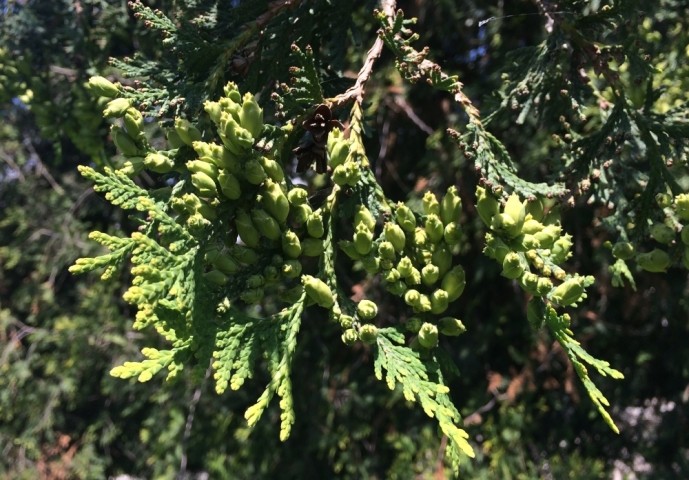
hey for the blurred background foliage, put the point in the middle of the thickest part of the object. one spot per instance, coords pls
(63, 416)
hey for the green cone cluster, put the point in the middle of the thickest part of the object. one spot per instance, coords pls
(530, 247)
(413, 254)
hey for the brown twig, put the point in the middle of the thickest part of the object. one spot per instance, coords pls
(356, 92)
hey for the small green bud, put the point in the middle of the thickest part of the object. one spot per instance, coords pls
(159, 163)
(290, 244)
(273, 169)
(414, 277)
(246, 229)
(561, 249)
(442, 258)
(386, 250)
(430, 204)
(318, 291)
(532, 226)
(201, 166)
(314, 224)
(412, 297)
(530, 242)
(661, 233)
(246, 255)
(529, 282)
(428, 335)
(346, 321)
(548, 235)
(253, 172)
(568, 292)
(513, 265)
(420, 237)
(213, 110)
(371, 264)
(297, 196)
(486, 205)
(204, 184)
(117, 108)
(451, 326)
(300, 213)
(349, 336)
(451, 206)
(339, 153)
(682, 206)
(452, 233)
(439, 301)
(395, 235)
(623, 250)
(430, 274)
(312, 247)
(368, 333)
(397, 288)
(291, 268)
(251, 115)
(133, 122)
(424, 304)
(229, 185)
(405, 266)
(271, 274)
(544, 286)
(222, 262)
(186, 131)
(664, 200)
(392, 275)
(454, 282)
(405, 218)
(434, 228)
(516, 210)
(366, 309)
(536, 209)
(340, 175)
(124, 143)
(232, 92)
(654, 261)
(102, 87)
(363, 215)
(363, 240)
(275, 201)
(265, 224)
(255, 281)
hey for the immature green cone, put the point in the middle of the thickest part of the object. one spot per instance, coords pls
(430, 274)
(386, 251)
(512, 266)
(371, 264)
(452, 233)
(395, 235)
(297, 196)
(318, 291)
(291, 244)
(368, 333)
(349, 337)
(442, 258)
(366, 309)
(561, 249)
(253, 172)
(252, 295)
(428, 335)
(392, 275)
(451, 206)
(548, 235)
(682, 206)
(654, 261)
(430, 204)
(314, 225)
(236, 138)
(246, 229)
(244, 254)
(251, 115)
(186, 131)
(405, 266)
(159, 163)
(451, 326)
(661, 233)
(265, 224)
(340, 175)
(300, 213)
(204, 184)
(339, 153)
(486, 205)
(363, 215)
(201, 166)
(544, 286)
(216, 277)
(117, 108)
(568, 292)
(124, 142)
(434, 228)
(133, 122)
(532, 226)
(363, 240)
(439, 301)
(623, 250)
(275, 201)
(405, 218)
(454, 282)
(229, 185)
(272, 169)
(529, 282)
(291, 268)
(214, 110)
(224, 263)
(347, 246)
(102, 87)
